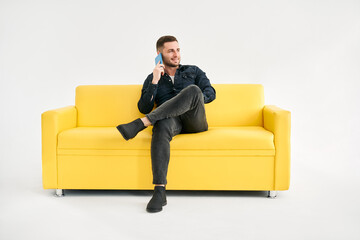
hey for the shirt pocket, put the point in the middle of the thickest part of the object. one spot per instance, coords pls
(189, 78)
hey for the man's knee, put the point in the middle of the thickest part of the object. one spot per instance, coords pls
(194, 91)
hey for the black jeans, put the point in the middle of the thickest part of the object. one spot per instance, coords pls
(184, 113)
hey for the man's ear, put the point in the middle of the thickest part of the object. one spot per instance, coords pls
(159, 51)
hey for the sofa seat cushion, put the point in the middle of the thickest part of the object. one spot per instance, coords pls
(250, 140)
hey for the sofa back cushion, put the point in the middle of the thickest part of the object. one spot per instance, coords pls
(110, 105)
(107, 105)
(236, 105)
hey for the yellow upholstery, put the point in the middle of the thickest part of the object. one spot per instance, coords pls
(107, 105)
(233, 138)
(247, 146)
(99, 105)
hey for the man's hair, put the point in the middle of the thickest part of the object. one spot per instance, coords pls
(164, 39)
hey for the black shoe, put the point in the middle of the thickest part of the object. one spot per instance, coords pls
(130, 130)
(157, 201)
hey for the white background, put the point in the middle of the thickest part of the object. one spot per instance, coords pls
(305, 53)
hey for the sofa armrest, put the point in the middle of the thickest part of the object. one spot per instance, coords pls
(52, 123)
(278, 121)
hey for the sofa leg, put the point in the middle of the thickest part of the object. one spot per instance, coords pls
(272, 194)
(59, 193)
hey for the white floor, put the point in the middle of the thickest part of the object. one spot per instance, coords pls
(317, 206)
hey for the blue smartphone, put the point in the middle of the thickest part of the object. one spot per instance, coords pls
(158, 59)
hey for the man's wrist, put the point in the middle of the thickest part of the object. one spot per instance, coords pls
(154, 82)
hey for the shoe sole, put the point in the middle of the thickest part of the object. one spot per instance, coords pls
(155, 210)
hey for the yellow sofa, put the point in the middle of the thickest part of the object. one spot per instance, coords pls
(247, 146)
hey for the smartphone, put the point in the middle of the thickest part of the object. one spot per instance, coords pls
(158, 59)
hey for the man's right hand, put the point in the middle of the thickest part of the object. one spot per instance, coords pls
(158, 71)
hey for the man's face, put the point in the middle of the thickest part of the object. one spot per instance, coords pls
(171, 54)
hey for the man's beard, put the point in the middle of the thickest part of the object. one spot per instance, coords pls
(168, 63)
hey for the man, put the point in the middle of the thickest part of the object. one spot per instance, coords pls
(179, 92)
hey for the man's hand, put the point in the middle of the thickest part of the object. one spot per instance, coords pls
(158, 71)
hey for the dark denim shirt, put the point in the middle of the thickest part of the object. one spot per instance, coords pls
(185, 75)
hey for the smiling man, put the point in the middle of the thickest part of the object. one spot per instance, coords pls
(179, 93)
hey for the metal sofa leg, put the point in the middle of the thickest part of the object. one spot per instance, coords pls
(272, 194)
(59, 193)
